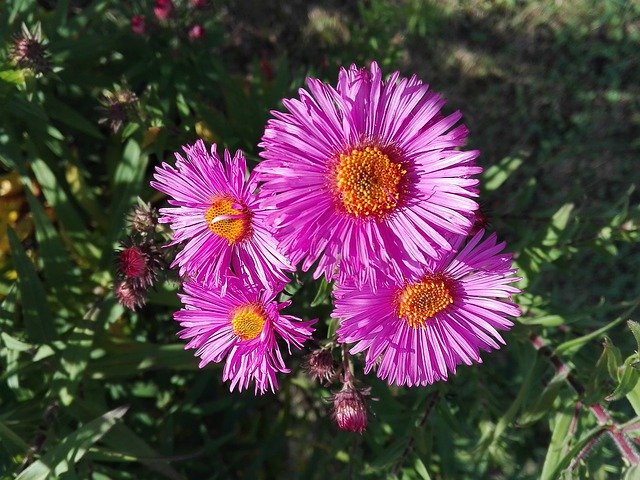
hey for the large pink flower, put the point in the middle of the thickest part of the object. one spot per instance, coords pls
(243, 324)
(216, 214)
(367, 175)
(417, 330)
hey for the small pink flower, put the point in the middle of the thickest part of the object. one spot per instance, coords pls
(138, 24)
(241, 325)
(163, 9)
(217, 215)
(196, 32)
(198, 3)
(417, 330)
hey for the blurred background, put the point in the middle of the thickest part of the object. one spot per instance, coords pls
(95, 94)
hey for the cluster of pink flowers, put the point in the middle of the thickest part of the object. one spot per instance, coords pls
(365, 183)
(163, 12)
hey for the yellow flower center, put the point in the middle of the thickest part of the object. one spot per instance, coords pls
(247, 321)
(418, 302)
(368, 182)
(226, 220)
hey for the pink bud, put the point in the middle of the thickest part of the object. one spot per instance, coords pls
(138, 24)
(349, 409)
(196, 32)
(163, 9)
(198, 3)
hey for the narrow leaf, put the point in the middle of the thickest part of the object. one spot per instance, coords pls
(37, 314)
(72, 448)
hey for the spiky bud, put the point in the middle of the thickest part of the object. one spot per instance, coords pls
(138, 262)
(320, 365)
(129, 295)
(350, 409)
(29, 51)
(117, 108)
(143, 219)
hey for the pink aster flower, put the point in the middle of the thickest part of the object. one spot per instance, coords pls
(215, 212)
(417, 330)
(241, 323)
(367, 174)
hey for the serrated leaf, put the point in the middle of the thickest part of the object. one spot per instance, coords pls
(65, 455)
(37, 314)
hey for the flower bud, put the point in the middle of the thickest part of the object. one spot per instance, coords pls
(138, 24)
(138, 262)
(117, 108)
(163, 9)
(349, 409)
(129, 295)
(320, 365)
(196, 33)
(143, 219)
(29, 51)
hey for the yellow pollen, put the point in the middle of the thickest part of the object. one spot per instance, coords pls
(368, 182)
(226, 221)
(419, 302)
(247, 321)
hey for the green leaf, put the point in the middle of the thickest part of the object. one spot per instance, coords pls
(573, 452)
(323, 293)
(37, 314)
(64, 456)
(122, 439)
(635, 329)
(558, 224)
(127, 181)
(560, 439)
(56, 262)
(15, 77)
(627, 380)
(544, 403)
(12, 441)
(70, 117)
(421, 469)
(570, 347)
(496, 175)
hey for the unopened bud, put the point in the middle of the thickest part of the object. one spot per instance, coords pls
(163, 9)
(143, 219)
(29, 51)
(320, 365)
(138, 262)
(117, 108)
(138, 24)
(349, 409)
(129, 295)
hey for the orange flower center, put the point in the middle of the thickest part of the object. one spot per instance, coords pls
(418, 302)
(368, 182)
(247, 321)
(228, 220)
